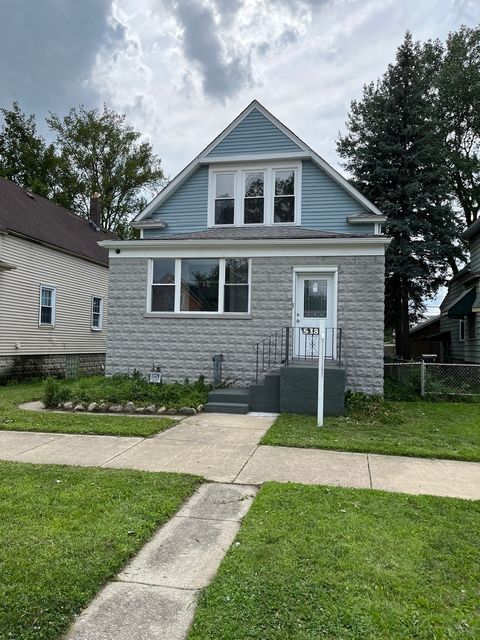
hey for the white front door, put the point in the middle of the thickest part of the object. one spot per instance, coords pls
(314, 299)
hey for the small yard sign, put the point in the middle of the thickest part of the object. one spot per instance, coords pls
(155, 377)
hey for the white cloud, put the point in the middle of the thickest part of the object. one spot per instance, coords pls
(186, 68)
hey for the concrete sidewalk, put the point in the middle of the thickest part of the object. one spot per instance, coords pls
(155, 596)
(224, 448)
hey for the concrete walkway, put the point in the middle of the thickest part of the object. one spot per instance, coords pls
(155, 596)
(224, 448)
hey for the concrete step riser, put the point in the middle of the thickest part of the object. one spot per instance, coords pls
(242, 396)
(227, 407)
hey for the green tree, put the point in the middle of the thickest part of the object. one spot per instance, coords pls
(25, 158)
(394, 152)
(98, 152)
(459, 98)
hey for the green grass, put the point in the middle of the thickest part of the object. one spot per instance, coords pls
(64, 531)
(14, 419)
(424, 429)
(313, 563)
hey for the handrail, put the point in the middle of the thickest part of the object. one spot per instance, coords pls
(290, 344)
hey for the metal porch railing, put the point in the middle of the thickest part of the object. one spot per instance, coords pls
(296, 344)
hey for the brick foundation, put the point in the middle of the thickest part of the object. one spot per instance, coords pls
(31, 367)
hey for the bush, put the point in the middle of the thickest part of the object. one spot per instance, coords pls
(405, 391)
(368, 407)
(54, 392)
(121, 389)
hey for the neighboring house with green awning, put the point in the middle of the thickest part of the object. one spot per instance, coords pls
(460, 310)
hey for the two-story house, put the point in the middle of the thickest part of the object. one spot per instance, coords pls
(240, 255)
(53, 288)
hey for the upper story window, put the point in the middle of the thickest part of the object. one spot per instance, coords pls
(254, 200)
(255, 195)
(284, 203)
(46, 314)
(224, 197)
(96, 321)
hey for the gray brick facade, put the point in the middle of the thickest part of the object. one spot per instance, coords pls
(183, 347)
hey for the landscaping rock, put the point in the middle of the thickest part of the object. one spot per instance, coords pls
(162, 410)
(103, 406)
(171, 412)
(79, 407)
(187, 411)
(150, 409)
(93, 406)
(68, 406)
(140, 410)
(199, 408)
(115, 408)
(129, 407)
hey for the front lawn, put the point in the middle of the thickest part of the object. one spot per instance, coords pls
(314, 563)
(14, 419)
(425, 429)
(65, 531)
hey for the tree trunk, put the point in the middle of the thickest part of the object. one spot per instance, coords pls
(402, 336)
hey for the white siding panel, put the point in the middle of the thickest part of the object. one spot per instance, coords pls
(76, 281)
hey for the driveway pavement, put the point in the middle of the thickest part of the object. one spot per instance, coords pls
(224, 448)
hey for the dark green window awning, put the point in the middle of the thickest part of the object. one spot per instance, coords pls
(463, 306)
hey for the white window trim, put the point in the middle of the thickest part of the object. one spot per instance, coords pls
(177, 312)
(268, 168)
(53, 289)
(461, 323)
(212, 194)
(100, 324)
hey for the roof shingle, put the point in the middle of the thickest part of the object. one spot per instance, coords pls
(256, 233)
(38, 219)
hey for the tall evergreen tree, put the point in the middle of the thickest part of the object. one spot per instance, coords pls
(394, 152)
(459, 110)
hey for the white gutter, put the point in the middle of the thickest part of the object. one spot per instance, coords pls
(155, 243)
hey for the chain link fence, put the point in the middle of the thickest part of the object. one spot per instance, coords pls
(427, 378)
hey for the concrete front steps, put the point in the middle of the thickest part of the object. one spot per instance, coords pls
(292, 389)
(228, 401)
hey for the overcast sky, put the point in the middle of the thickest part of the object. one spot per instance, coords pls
(182, 70)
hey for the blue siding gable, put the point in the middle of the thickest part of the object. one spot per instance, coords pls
(186, 209)
(325, 205)
(254, 134)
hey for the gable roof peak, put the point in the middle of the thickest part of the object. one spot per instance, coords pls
(302, 149)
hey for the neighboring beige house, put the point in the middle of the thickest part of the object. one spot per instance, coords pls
(53, 288)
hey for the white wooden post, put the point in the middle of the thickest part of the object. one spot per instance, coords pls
(321, 371)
